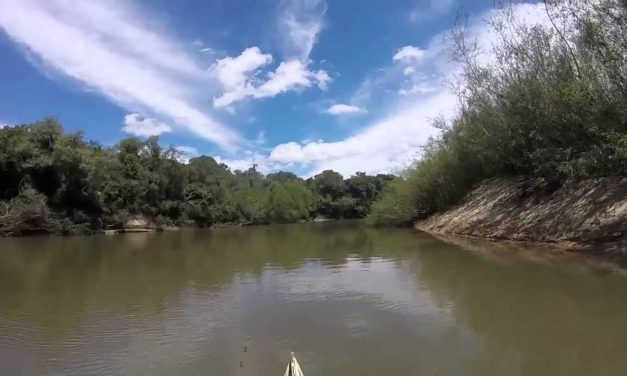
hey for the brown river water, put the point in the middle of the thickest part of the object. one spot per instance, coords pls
(348, 300)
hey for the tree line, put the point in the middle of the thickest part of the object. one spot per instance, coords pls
(551, 104)
(52, 182)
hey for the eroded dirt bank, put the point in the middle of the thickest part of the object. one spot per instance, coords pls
(589, 214)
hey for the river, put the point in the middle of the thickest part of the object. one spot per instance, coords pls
(347, 299)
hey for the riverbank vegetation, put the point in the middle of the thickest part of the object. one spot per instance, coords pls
(54, 182)
(550, 103)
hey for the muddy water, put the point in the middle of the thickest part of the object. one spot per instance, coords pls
(348, 300)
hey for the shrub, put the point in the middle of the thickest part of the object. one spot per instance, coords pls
(552, 104)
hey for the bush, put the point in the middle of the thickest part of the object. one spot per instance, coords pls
(27, 214)
(552, 105)
(395, 207)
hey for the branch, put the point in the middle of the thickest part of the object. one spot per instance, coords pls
(563, 38)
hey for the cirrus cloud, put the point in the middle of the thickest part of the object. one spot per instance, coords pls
(108, 48)
(185, 153)
(301, 21)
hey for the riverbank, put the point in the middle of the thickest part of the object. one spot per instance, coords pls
(588, 215)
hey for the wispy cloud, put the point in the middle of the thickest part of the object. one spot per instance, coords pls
(105, 46)
(186, 153)
(301, 21)
(189, 150)
(136, 125)
(261, 138)
(262, 163)
(387, 145)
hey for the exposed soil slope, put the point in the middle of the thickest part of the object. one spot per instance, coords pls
(579, 214)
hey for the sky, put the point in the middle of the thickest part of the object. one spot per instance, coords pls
(295, 85)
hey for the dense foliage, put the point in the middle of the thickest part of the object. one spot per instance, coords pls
(52, 182)
(552, 103)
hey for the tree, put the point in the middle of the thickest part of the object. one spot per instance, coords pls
(289, 201)
(329, 183)
(76, 186)
(282, 177)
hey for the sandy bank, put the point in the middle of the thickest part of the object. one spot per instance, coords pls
(585, 215)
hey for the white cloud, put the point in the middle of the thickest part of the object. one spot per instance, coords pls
(107, 47)
(409, 53)
(321, 78)
(261, 162)
(189, 150)
(344, 109)
(419, 71)
(240, 77)
(387, 145)
(144, 127)
(300, 22)
(408, 71)
(423, 87)
(234, 72)
(186, 153)
(291, 75)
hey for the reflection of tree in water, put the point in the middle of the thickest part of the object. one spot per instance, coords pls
(52, 282)
(544, 319)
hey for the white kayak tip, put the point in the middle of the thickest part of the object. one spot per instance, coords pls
(293, 368)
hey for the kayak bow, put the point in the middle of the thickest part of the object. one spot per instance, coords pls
(293, 368)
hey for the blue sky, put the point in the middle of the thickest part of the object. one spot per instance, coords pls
(299, 85)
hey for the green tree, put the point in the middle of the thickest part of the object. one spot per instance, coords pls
(289, 201)
(56, 182)
(329, 183)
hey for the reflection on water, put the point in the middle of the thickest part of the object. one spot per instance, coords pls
(348, 300)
